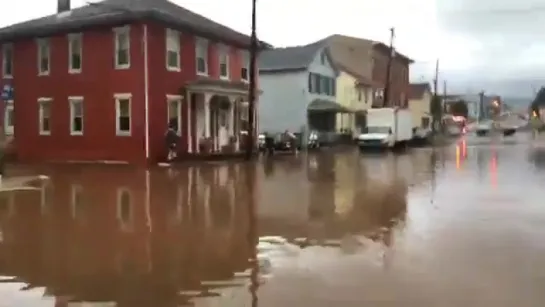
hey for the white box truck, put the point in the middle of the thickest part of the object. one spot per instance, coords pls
(386, 128)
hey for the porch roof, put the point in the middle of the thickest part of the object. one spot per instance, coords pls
(323, 105)
(216, 86)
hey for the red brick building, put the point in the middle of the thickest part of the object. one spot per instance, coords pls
(399, 74)
(101, 82)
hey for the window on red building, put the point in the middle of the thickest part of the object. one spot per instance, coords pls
(7, 60)
(224, 62)
(75, 53)
(44, 54)
(122, 48)
(123, 114)
(76, 115)
(44, 113)
(173, 50)
(202, 56)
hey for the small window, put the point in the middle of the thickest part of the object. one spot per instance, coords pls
(360, 98)
(174, 112)
(9, 118)
(44, 113)
(224, 62)
(202, 57)
(122, 48)
(7, 61)
(310, 82)
(123, 114)
(244, 70)
(75, 51)
(44, 54)
(172, 50)
(76, 115)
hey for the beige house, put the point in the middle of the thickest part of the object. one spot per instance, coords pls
(420, 96)
(355, 93)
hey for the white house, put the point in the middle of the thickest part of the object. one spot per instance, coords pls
(299, 90)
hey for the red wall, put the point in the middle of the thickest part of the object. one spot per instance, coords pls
(399, 75)
(98, 83)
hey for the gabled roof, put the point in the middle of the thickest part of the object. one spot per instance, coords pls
(289, 58)
(117, 12)
(417, 90)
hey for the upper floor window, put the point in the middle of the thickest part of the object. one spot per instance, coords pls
(359, 90)
(224, 62)
(75, 51)
(319, 84)
(323, 58)
(44, 55)
(202, 56)
(244, 71)
(122, 47)
(173, 50)
(7, 60)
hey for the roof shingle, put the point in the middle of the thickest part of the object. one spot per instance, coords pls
(111, 12)
(290, 58)
(417, 90)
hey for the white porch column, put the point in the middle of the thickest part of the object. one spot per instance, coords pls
(207, 98)
(189, 113)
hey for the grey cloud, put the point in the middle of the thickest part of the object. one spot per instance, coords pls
(504, 29)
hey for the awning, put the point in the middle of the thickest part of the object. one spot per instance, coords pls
(322, 105)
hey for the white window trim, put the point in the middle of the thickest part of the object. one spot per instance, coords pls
(71, 37)
(224, 51)
(71, 101)
(8, 130)
(117, 98)
(41, 100)
(117, 31)
(172, 36)
(179, 99)
(5, 47)
(201, 44)
(40, 43)
(126, 226)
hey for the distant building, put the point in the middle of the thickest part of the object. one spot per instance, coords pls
(420, 97)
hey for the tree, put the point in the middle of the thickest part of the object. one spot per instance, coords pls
(459, 108)
(436, 110)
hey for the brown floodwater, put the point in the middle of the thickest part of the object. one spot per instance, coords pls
(460, 225)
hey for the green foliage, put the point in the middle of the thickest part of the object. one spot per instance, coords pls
(436, 107)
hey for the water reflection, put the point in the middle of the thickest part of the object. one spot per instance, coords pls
(165, 238)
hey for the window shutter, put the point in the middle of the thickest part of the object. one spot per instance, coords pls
(310, 89)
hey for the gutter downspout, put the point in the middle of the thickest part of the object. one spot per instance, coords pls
(146, 89)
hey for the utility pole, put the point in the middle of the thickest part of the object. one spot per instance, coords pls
(436, 78)
(251, 92)
(391, 55)
(481, 106)
(444, 96)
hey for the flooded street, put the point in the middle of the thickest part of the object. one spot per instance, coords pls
(460, 225)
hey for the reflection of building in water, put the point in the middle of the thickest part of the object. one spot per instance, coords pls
(119, 235)
(322, 188)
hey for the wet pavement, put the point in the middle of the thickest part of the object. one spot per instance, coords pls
(460, 225)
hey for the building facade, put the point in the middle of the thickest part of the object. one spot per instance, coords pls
(420, 104)
(399, 76)
(102, 82)
(299, 89)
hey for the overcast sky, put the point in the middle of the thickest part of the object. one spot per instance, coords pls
(478, 46)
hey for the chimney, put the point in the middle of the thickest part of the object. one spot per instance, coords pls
(63, 6)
